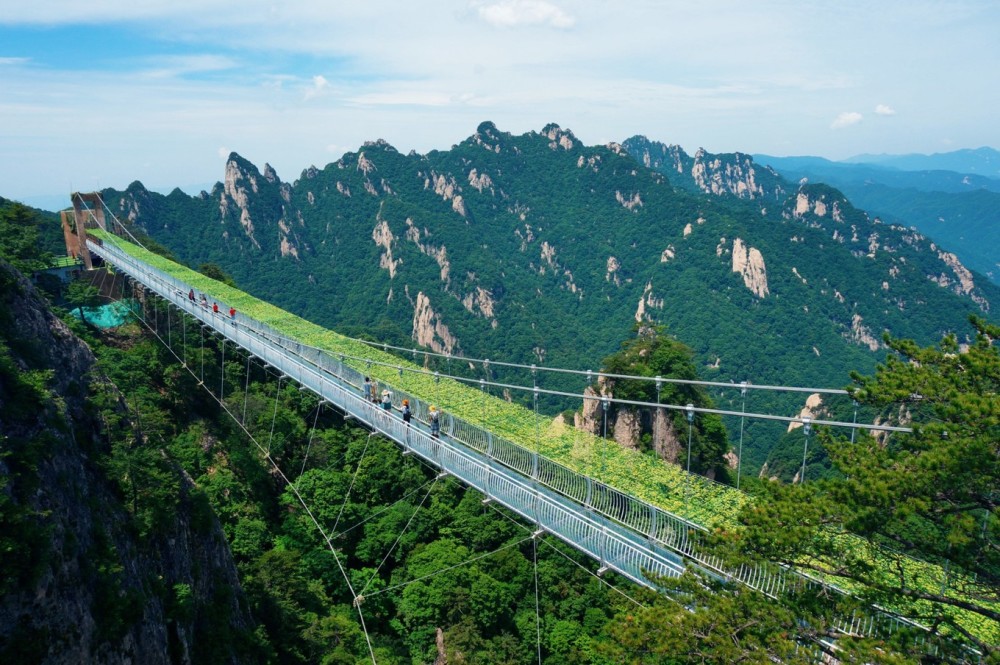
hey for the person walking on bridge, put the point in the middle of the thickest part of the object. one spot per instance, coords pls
(387, 400)
(407, 414)
(366, 389)
(435, 418)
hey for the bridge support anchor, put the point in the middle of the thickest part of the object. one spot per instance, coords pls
(536, 534)
(602, 570)
(487, 501)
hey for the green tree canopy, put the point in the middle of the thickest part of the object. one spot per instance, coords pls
(931, 496)
(81, 294)
(20, 237)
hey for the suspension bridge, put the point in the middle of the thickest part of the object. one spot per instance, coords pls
(621, 532)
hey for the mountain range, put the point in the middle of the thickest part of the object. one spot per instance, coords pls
(540, 249)
(952, 197)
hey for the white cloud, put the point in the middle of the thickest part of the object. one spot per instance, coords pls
(846, 119)
(169, 67)
(223, 152)
(512, 13)
(13, 61)
(319, 84)
(882, 109)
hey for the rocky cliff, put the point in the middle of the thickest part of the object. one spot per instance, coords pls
(81, 582)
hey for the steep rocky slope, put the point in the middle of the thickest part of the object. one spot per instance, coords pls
(82, 581)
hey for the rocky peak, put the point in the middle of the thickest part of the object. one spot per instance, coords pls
(270, 174)
(488, 136)
(559, 138)
(379, 144)
(734, 174)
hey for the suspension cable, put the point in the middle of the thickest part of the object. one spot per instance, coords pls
(312, 433)
(486, 363)
(595, 397)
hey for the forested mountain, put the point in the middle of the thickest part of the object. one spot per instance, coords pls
(956, 209)
(539, 249)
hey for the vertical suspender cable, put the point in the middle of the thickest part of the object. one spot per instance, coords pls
(274, 416)
(222, 366)
(246, 391)
(806, 428)
(184, 333)
(311, 435)
(739, 456)
(538, 620)
(854, 430)
(202, 327)
(687, 478)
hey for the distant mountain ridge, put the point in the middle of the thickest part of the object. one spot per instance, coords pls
(982, 161)
(539, 249)
(959, 210)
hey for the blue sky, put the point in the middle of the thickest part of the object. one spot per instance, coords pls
(101, 93)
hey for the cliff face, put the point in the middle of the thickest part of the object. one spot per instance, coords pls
(80, 584)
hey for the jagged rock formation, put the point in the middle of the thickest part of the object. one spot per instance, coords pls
(626, 426)
(98, 593)
(748, 262)
(522, 243)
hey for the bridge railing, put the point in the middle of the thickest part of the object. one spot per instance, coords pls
(655, 524)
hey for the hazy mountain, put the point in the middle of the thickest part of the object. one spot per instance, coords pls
(983, 161)
(840, 174)
(959, 210)
(539, 249)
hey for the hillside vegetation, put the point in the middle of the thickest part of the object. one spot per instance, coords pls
(539, 249)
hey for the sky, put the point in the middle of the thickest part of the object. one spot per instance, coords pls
(105, 92)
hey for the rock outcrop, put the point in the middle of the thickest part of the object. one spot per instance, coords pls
(749, 262)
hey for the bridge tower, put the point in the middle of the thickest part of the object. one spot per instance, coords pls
(88, 212)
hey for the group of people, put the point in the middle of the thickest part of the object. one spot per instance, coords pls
(215, 306)
(370, 393)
